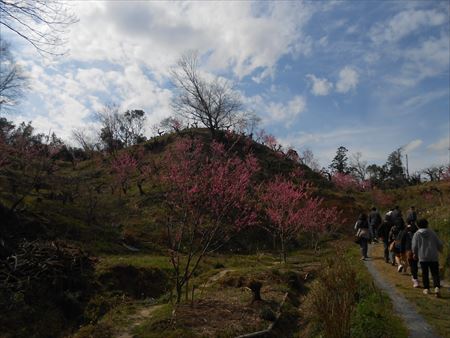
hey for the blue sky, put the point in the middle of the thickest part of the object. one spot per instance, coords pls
(369, 75)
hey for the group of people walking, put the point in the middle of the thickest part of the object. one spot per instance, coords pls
(407, 244)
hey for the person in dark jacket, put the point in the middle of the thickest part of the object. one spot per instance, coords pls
(406, 237)
(411, 216)
(397, 218)
(394, 242)
(374, 222)
(426, 247)
(383, 234)
(388, 216)
(363, 233)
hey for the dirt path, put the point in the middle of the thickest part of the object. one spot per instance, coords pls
(416, 324)
(137, 319)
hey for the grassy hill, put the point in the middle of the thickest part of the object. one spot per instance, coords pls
(83, 203)
(129, 283)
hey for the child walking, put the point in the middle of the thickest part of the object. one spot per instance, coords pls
(406, 249)
(426, 247)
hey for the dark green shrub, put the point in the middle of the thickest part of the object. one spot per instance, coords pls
(267, 314)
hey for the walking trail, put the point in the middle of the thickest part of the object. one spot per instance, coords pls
(415, 323)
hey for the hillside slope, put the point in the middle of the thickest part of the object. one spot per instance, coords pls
(85, 202)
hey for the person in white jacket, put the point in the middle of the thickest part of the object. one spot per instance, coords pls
(426, 247)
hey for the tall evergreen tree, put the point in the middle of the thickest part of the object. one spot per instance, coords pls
(395, 169)
(339, 163)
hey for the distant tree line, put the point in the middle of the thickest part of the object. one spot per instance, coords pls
(353, 172)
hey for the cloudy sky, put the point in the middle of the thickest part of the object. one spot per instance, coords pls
(370, 75)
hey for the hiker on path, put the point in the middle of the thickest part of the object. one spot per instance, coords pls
(397, 217)
(363, 233)
(374, 222)
(383, 234)
(426, 247)
(394, 246)
(406, 249)
(411, 216)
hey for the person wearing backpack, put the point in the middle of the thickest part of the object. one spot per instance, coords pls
(383, 234)
(397, 218)
(374, 222)
(363, 233)
(394, 247)
(426, 247)
(411, 216)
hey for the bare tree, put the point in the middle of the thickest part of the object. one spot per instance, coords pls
(13, 81)
(87, 142)
(109, 118)
(132, 127)
(213, 103)
(307, 158)
(42, 23)
(171, 124)
(247, 123)
(434, 172)
(120, 129)
(358, 166)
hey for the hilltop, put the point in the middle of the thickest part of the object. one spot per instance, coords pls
(83, 202)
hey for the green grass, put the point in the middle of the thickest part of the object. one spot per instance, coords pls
(374, 315)
(137, 260)
(212, 287)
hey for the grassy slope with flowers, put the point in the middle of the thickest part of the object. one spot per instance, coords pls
(101, 220)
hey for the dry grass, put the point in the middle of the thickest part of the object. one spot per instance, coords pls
(332, 298)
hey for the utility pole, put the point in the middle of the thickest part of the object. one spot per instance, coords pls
(407, 166)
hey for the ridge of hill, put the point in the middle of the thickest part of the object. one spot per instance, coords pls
(82, 201)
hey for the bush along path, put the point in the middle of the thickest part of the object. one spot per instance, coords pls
(415, 323)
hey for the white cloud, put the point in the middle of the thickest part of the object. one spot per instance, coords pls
(324, 144)
(413, 145)
(405, 23)
(68, 99)
(276, 112)
(286, 113)
(442, 144)
(430, 58)
(323, 41)
(352, 29)
(348, 79)
(320, 86)
(246, 36)
(420, 100)
(123, 54)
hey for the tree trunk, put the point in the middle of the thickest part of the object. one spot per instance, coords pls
(179, 292)
(192, 296)
(255, 286)
(141, 191)
(283, 249)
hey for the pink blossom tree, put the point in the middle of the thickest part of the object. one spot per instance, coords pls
(349, 182)
(283, 204)
(27, 159)
(145, 168)
(207, 193)
(293, 209)
(123, 167)
(344, 181)
(318, 219)
(382, 199)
